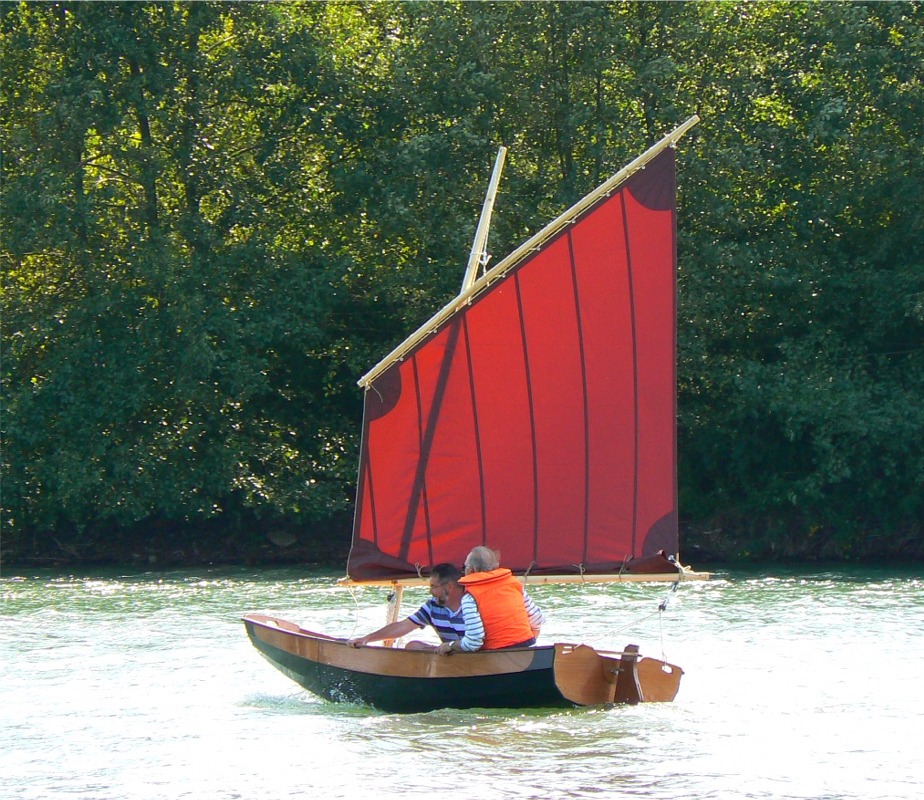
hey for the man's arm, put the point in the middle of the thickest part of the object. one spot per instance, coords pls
(393, 630)
(474, 630)
(536, 617)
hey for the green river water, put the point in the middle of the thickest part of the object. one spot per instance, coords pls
(134, 686)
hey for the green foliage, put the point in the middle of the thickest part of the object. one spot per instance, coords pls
(215, 217)
(802, 350)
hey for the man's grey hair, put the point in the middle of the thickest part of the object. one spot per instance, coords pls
(482, 559)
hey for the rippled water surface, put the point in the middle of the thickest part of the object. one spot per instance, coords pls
(126, 686)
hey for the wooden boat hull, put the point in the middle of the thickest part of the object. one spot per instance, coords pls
(408, 681)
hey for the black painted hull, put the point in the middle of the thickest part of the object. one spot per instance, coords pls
(402, 684)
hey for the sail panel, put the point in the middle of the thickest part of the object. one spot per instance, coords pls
(652, 253)
(558, 405)
(446, 464)
(505, 435)
(539, 419)
(606, 311)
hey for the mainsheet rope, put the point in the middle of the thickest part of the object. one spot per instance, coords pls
(662, 607)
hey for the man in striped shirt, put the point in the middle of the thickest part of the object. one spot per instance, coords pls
(443, 612)
(497, 611)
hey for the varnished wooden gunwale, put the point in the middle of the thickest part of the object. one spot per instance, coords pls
(390, 661)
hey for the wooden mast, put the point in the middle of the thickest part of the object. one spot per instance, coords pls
(394, 608)
(479, 256)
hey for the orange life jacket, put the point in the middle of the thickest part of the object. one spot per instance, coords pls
(499, 597)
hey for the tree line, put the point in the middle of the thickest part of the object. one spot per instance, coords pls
(217, 216)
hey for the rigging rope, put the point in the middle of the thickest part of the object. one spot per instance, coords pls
(662, 607)
(355, 611)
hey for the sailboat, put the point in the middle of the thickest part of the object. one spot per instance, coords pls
(535, 414)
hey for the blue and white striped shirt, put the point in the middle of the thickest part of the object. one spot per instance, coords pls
(448, 624)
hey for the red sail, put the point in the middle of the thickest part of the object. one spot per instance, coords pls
(539, 419)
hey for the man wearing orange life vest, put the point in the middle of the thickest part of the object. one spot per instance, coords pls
(498, 611)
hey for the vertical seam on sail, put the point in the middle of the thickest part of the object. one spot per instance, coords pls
(428, 433)
(676, 488)
(580, 333)
(364, 477)
(532, 417)
(419, 487)
(635, 409)
(371, 490)
(477, 430)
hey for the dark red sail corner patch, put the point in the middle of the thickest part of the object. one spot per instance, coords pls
(653, 186)
(384, 391)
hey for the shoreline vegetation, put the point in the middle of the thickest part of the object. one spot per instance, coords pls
(268, 545)
(217, 216)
